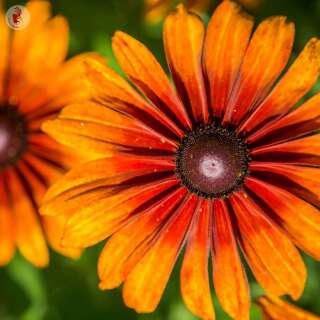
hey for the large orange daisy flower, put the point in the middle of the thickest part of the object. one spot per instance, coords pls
(223, 161)
(35, 83)
(274, 308)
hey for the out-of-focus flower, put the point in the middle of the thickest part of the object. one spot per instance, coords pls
(35, 83)
(274, 308)
(220, 161)
(156, 10)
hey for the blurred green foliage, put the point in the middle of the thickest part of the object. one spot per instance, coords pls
(68, 289)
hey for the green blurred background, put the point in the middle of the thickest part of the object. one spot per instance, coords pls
(68, 289)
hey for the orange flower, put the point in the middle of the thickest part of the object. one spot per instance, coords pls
(156, 10)
(34, 84)
(220, 162)
(274, 308)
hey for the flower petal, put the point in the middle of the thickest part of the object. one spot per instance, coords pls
(309, 145)
(230, 281)
(274, 260)
(146, 73)
(115, 257)
(271, 42)
(302, 120)
(111, 89)
(54, 227)
(183, 36)
(226, 41)
(29, 235)
(302, 181)
(143, 288)
(99, 129)
(275, 308)
(7, 234)
(98, 218)
(195, 286)
(4, 53)
(296, 82)
(300, 219)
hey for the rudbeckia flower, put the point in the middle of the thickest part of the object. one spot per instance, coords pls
(35, 83)
(274, 308)
(224, 161)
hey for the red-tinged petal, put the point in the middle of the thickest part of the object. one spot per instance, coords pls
(4, 53)
(274, 260)
(105, 172)
(308, 145)
(99, 129)
(145, 284)
(230, 281)
(226, 41)
(30, 239)
(302, 120)
(303, 181)
(146, 73)
(274, 308)
(195, 287)
(7, 233)
(271, 42)
(111, 89)
(300, 219)
(298, 80)
(96, 219)
(114, 261)
(183, 36)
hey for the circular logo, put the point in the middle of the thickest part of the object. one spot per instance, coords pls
(17, 17)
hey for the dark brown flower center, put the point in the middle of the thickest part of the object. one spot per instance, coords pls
(212, 161)
(12, 136)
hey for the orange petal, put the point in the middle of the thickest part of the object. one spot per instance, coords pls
(308, 145)
(274, 260)
(96, 219)
(143, 288)
(274, 308)
(298, 80)
(306, 179)
(7, 235)
(300, 219)
(29, 235)
(115, 257)
(22, 43)
(54, 227)
(4, 53)
(302, 120)
(230, 281)
(155, 10)
(111, 89)
(183, 36)
(65, 85)
(99, 129)
(146, 73)
(106, 171)
(195, 286)
(226, 41)
(268, 53)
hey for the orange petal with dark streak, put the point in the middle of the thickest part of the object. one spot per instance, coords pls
(183, 37)
(195, 286)
(145, 284)
(274, 260)
(229, 278)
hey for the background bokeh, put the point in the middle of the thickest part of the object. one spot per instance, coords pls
(68, 289)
